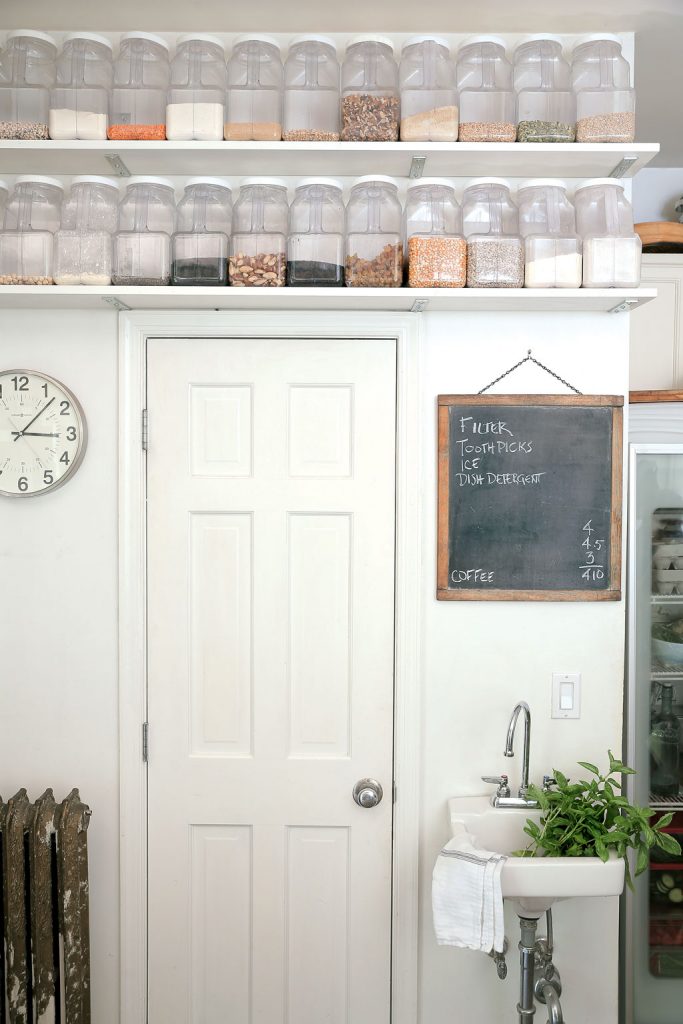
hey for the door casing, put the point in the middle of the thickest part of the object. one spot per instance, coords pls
(134, 330)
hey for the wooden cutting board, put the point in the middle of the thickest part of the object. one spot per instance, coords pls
(661, 236)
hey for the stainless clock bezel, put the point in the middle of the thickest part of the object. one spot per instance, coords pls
(82, 422)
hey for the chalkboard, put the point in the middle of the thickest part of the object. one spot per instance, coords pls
(529, 497)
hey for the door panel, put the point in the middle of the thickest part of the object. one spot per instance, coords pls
(270, 646)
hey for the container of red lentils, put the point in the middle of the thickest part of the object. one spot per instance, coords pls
(437, 251)
(141, 81)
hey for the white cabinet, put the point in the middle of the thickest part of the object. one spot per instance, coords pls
(657, 327)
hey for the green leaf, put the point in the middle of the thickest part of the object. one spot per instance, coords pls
(589, 767)
(642, 860)
(665, 820)
(668, 843)
(601, 849)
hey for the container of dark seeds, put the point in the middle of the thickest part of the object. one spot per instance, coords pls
(315, 247)
(201, 245)
(371, 108)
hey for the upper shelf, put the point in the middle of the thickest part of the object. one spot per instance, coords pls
(400, 159)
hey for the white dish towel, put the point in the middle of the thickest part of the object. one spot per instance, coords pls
(467, 900)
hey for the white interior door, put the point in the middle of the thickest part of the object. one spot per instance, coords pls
(271, 635)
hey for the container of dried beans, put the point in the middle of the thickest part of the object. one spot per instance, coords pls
(27, 72)
(141, 79)
(437, 251)
(32, 217)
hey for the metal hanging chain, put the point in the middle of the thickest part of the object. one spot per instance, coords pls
(528, 358)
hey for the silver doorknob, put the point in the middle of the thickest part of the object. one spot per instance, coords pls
(367, 793)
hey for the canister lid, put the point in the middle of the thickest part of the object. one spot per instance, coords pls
(538, 37)
(92, 37)
(371, 39)
(149, 36)
(329, 182)
(383, 179)
(312, 39)
(253, 37)
(199, 37)
(597, 37)
(599, 181)
(258, 180)
(483, 39)
(414, 40)
(418, 182)
(203, 179)
(542, 183)
(18, 33)
(487, 181)
(40, 179)
(148, 179)
(95, 179)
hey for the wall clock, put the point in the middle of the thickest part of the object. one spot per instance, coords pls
(43, 433)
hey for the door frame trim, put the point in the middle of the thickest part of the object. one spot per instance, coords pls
(134, 330)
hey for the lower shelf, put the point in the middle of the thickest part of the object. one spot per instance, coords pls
(539, 300)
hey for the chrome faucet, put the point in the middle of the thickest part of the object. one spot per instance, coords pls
(509, 752)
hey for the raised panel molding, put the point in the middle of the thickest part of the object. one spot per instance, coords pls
(657, 331)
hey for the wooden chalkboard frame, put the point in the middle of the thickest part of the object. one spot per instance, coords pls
(610, 593)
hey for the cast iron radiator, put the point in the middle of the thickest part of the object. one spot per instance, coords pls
(45, 970)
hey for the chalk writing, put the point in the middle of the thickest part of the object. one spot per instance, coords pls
(591, 570)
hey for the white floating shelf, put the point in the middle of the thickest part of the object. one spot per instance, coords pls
(453, 159)
(464, 300)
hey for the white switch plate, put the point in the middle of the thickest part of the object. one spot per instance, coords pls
(566, 696)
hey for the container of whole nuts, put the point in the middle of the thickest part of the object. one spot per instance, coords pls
(371, 108)
(374, 250)
(437, 251)
(258, 248)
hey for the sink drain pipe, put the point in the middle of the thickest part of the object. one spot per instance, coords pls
(526, 1007)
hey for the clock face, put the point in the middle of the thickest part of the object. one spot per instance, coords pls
(42, 433)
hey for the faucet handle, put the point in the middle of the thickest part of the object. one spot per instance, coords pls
(498, 780)
(548, 781)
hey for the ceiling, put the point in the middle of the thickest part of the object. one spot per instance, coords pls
(658, 25)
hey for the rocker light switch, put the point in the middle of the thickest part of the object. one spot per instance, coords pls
(566, 698)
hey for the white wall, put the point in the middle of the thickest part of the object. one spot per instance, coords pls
(479, 659)
(656, 190)
(59, 704)
(58, 618)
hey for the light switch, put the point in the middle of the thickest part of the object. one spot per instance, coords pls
(566, 695)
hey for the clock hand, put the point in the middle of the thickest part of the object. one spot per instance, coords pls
(30, 422)
(31, 433)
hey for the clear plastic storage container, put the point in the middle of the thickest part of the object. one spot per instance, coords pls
(487, 98)
(611, 249)
(605, 101)
(201, 245)
(547, 224)
(374, 250)
(312, 87)
(32, 216)
(196, 99)
(259, 234)
(429, 101)
(83, 244)
(546, 105)
(437, 251)
(79, 102)
(141, 78)
(142, 245)
(315, 247)
(27, 73)
(4, 193)
(254, 98)
(370, 93)
(495, 250)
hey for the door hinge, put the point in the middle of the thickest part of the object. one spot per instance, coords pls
(145, 741)
(145, 430)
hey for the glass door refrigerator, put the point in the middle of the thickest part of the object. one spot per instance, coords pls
(652, 918)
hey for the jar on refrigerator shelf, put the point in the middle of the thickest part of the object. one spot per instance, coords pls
(137, 109)
(254, 97)
(374, 249)
(79, 101)
(315, 247)
(142, 244)
(370, 91)
(546, 105)
(258, 250)
(83, 244)
(27, 73)
(487, 98)
(312, 91)
(32, 217)
(196, 99)
(495, 250)
(547, 223)
(429, 101)
(611, 249)
(201, 244)
(437, 251)
(605, 101)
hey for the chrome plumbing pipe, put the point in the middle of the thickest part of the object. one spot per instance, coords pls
(526, 1007)
(552, 1001)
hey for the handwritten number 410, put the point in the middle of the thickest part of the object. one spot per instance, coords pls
(591, 570)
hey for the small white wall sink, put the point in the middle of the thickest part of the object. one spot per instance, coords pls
(533, 883)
